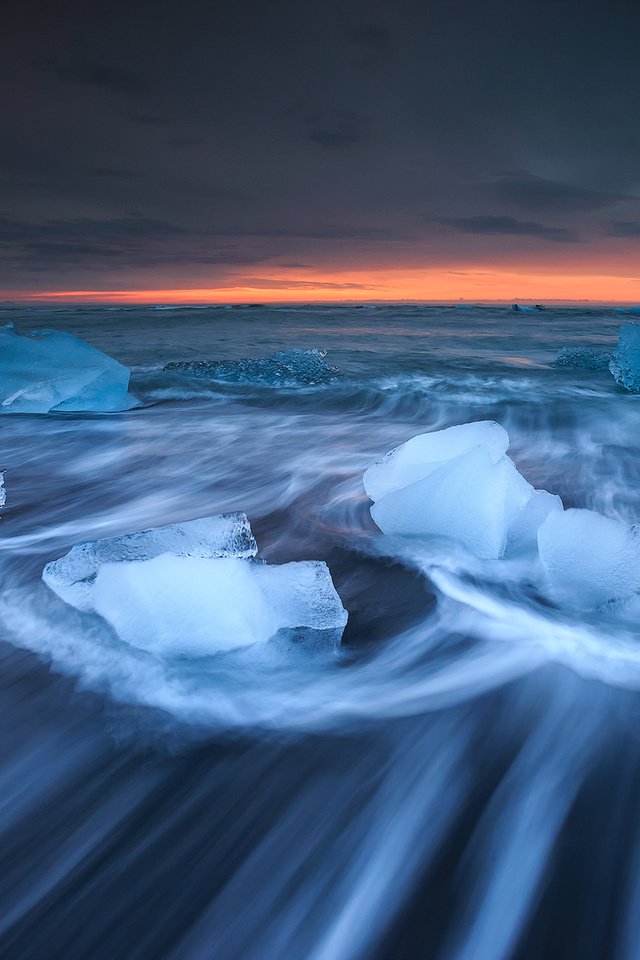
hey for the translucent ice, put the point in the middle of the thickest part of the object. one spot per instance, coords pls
(589, 559)
(523, 532)
(193, 606)
(472, 499)
(459, 484)
(3, 492)
(586, 358)
(223, 535)
(47, 370)
(285, 367)
(625, 360)
(421, 455)
(194, 589)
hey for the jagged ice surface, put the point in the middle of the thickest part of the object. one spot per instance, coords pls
(73, 576)
(286, 367)
(625, 360)
(459, 484)
(421, 455)
(479, 499)
(194, 589)
(586, 358)
(48, 370)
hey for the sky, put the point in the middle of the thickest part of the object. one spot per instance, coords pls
(333, 150)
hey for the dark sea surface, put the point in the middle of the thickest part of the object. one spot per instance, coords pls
(460, 782)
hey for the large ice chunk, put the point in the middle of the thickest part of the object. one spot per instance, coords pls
(625, 360)
(194, 589)
(458, 483)
(73, 576)
(421, 455)
(472, 499)
(192, 606)
(48, 370)
(589, 559)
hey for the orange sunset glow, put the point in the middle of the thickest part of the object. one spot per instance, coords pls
(391, 285)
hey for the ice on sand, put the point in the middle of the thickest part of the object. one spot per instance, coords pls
(48, 370)
(195, 589)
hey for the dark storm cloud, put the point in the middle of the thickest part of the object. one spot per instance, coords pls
(93, 74)
(373, 43)
(149, 119)
(317, 131)
(133, 242)
(185, 141)
(509, 226)
(329, 232)
(537, 193)
(624, 228)
(337, 129)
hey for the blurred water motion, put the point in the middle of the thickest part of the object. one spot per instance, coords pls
(461, 782)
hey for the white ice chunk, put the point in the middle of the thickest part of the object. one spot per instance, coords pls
(191, 606)
(48, 371)
(73, 576)
(522, 535)
(589, 559)
(472, 499)
(625, 359)
(3, 491)
(421, 455)
(194, 589)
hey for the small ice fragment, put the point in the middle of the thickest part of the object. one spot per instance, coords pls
(472, 499)
(589, 559)
(283, 368)
(625, 360)
(585, 358)
(421, 455)
(48, 370)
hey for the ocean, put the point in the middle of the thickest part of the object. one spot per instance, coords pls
(460, 780)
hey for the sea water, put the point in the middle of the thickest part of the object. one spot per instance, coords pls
(458, 780)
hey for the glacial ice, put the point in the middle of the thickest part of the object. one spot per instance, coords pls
(47, 370)
(73, 576)
(590, 559)
(421, 455)
(195, 589)
(283, 368)
(625, 359)
(473, 499)
(193, 606)
(3, 490)
(585, 358)
(523, 532)
(478, 498)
